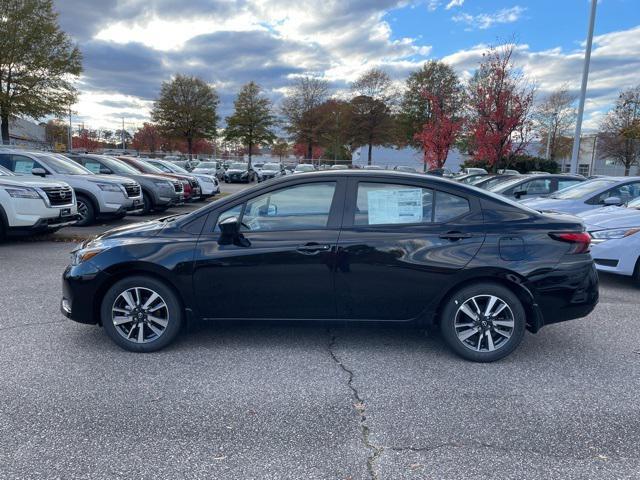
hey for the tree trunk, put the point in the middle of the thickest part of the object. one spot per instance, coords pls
(627, 167)
(5, 129)
(190, 145)
(250, 153)
(310, 151)
(369, 154)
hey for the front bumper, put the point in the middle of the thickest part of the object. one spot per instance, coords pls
(44, 224)
(617, 255)
(80, 285)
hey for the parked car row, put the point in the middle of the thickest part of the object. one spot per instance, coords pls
(44, 191)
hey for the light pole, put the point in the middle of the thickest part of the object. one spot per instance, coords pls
(552, 120)
(583, 89)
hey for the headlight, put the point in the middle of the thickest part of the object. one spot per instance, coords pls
(109, 187)
(206, 180)
(604, 235)
(84, 254)
(23, 192)
(245, 174)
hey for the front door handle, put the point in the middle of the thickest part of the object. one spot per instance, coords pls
(313, 248)
(453, 236)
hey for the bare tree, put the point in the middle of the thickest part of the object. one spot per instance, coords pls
(619, 137)
(554, 119)
(300, 110)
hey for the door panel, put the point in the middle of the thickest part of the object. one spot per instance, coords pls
(390, 272)
(274, 272)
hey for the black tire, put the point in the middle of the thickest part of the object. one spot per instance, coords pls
(89, 215)
(147, 204)
(482, 293)
(173, 315)
(636, 271)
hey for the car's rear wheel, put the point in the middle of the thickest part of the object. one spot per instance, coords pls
(86, 211)
(483, 322)
(141, 314)
(147, 204)
(636, 273)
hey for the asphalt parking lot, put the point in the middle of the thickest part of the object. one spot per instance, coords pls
(312, 401)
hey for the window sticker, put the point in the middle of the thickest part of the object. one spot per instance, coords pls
(395, 206)
(23, 166)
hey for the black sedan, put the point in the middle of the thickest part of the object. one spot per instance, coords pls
(240, 172)
(341, 245)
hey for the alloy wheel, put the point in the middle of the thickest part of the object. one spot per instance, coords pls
(484, 323)
(140, 315)
(83, 211)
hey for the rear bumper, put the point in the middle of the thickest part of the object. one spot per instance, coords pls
(567, 293)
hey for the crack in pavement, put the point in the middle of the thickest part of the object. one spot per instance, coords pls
(360, 408)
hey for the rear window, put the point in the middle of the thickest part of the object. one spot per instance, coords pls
(582, 189)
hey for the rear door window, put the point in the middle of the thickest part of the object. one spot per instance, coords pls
(383, 204)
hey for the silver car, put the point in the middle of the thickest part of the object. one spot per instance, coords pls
(589, 195)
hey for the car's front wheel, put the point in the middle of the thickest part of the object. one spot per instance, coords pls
(483, 322)
(86, 212)
(141, 314)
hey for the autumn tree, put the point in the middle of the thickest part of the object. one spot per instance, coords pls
(619, 137)
(438, 133)
(186, 108)
(122, 137)
(500, 102)
(371, 115)
(440, 81)
(56, 132)
(252, 121)
(38, 62)
(280, 149)
(300, 111)
(553, 119)
(147, 138)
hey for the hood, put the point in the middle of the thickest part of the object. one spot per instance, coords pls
(110, 179)
(147, 229)
(30, 182)
(236, 170)
(612, 217)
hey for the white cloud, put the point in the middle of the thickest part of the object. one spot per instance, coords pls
(487, 20)
(454, 3)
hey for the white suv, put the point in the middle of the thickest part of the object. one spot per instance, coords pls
(97, 196)
(32, 205)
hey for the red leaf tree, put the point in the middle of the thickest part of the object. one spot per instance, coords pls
(300, 150)
(147, 138)
(500, 101)
(438, 133)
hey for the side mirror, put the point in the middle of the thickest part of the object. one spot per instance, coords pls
(230, 228)
(41, 172)
(105, 171)
(520, 193)
(612, 201)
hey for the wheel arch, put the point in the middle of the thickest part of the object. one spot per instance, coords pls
(505, 278)
(89, 196)
(122, 271)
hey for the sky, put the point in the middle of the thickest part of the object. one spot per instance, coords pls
(130, 47)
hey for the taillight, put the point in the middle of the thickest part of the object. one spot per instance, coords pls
(580, 241)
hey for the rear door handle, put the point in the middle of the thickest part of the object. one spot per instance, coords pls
(313, 248)
(453, 236)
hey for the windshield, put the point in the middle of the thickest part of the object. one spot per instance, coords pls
(304, 168)
(146, 167)
(63, 167)
(116, 166)
(491, 182)
(271, 166)
(171, 167)
(501, 186)
(584, 188)
(238, 166)
(207, 165)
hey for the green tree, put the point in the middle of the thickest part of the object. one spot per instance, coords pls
(37, 62)
(186, 108)
(252, 121)
(372, 121)
(300, 110)
(439, 80)
(335, 129)
(281, 149)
